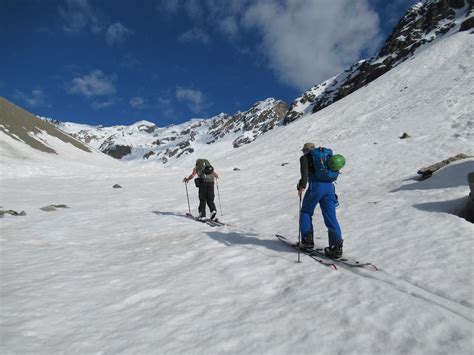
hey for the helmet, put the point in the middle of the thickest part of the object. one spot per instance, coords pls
(307, 147)
(336, 162)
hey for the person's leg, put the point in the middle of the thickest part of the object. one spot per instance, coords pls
(328, 208)
(210, 199)
(202, 199)
(310, 201)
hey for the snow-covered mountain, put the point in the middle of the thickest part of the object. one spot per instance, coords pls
(144, 140)
(124, 271)
(422, 24)
(27, 138)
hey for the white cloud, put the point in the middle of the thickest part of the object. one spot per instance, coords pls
(229, 26)
(196, 35)
(94, 84)
(308, 42)
(137, 102)
(194, 98)
(116, 34)
(34, 99)
(303, 41)
(78, 15)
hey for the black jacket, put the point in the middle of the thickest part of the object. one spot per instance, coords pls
(306, 169)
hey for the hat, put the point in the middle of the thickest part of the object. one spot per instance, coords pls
(308, 146)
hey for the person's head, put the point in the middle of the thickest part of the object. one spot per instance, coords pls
(308, 147)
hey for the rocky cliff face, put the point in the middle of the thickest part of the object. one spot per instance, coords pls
(145, 140)
(423, 23)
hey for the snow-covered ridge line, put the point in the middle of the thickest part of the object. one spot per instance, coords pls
(422, 24)
(145, 140)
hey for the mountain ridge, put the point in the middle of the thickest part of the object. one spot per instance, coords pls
(422, 25)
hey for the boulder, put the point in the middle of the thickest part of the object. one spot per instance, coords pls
(470, 198)
(11, 212)
(428, 171)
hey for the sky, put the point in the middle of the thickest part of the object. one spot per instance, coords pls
(167, 61)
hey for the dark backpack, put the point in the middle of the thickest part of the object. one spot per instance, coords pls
(321, 171)
(204, 169)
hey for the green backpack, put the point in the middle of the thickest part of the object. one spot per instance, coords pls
(204, 170)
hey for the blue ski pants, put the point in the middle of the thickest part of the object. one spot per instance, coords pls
(323, 193)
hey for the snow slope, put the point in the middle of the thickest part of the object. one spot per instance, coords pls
(122, 271)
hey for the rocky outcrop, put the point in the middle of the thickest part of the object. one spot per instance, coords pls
(423, 23)
(470, 198)
(12, 213)
(428, 171)
(117, 151)
(259, 119)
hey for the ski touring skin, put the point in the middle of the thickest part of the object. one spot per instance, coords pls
(325, 261)
(319, 253)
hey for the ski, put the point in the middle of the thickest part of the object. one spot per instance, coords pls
(325, 261)
(209, 222)
(344, 260)
(319, 252)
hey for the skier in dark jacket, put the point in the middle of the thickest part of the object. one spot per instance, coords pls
(322, 192)
(205, 183)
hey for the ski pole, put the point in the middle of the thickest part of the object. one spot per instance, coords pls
(187, 196)
(299, 231)
(219, 196)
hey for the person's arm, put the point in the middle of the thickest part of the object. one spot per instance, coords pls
(193, 174)
(215, 175)
(304, 170)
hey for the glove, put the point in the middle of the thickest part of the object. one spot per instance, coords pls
(185, 179)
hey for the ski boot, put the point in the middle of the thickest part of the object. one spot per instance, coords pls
(334, 251)
(307, 241)
(213, 216)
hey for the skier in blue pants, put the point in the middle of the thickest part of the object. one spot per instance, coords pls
(321, 192)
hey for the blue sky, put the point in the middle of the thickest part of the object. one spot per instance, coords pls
(116, 62)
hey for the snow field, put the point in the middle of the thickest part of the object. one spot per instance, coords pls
(122, 271)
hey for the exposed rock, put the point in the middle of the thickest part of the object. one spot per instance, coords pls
(186, 151)
(149, 154)
(241, 141)
(236, 169)
(405, 136)
(428, 171)
(147, 127)
(52, 208)
(283, 164)
(470, 198)
(11, 212)
(117, 151)
(467, 25)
